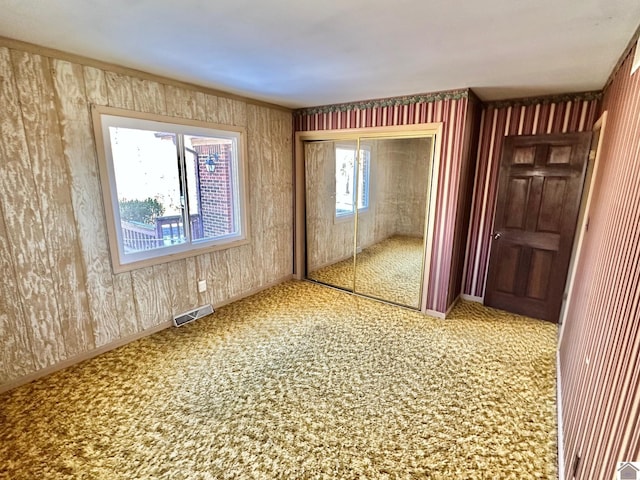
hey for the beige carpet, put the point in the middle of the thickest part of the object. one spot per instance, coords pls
(390, 270)
(300, 381)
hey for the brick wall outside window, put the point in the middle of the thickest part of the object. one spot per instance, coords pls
(215, 193)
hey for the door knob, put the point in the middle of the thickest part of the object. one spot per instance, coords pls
(497, 235)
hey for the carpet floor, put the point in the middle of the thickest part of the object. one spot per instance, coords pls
(299, 381)
(390, 270)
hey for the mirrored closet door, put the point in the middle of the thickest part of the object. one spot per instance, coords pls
(367, 214)
(330, 189)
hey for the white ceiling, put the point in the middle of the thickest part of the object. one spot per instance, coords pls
(303, 53)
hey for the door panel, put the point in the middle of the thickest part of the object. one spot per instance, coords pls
(524, 155)
(539, 193)
(516, 206)
(541, 264)
(560, 155)
(508, 268)
(553, 195)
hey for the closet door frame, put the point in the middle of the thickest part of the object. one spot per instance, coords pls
(401, 131)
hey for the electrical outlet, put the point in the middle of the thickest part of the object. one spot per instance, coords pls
(202, 286)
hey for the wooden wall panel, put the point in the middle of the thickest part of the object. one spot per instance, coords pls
(125, 305)
(185, 103)
(283, 187)
(600, 341)
(96, 85)
(124, 320)
(211, 108)
(149, 96)
(162, 295)
(564, 114)
(281, 131)
(119, 90)
(220, 274)
(24, 222)
(61, 299)
(42, 130)
(258, 180)
(240, 260)
(234, 262)
(239, 118)
(273, 179)
(16, 357)
(225, 110)
(80, 157)
(257, 198)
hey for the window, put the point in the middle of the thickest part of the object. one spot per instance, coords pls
(348, 183)
(170, 189)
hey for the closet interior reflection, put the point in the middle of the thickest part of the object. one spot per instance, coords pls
(366, 214)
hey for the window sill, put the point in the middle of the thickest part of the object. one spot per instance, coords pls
(119, 267)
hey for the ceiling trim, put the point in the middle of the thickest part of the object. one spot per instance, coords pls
(91, 62)
(546, 99)
(385, 102)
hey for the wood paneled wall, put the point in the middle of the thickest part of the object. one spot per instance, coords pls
(600, 344)
(457, 114)
(59, 298)
(570, 113)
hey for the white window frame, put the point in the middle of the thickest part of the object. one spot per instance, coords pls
(347, 215)
(105, 117)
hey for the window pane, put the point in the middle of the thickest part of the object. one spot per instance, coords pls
(147, 181)
(345, 180)
(211, 180)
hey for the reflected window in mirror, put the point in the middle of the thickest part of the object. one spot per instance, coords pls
(352, 180)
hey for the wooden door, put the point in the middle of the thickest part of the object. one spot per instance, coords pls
(539, 190)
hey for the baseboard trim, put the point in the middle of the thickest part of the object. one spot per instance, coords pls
(435, 313)
(471, 298)
(123, 341)
(441, 315)
(453, 304)
(560, 424)
(82, 357)
(253, 291)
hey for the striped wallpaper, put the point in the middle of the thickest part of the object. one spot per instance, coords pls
(600, 345)
(571, 113)
(599, 353)
(455, 110)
